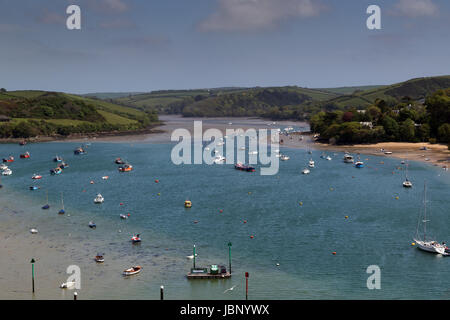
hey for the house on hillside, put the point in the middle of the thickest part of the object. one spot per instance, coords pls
(367, 124)
(4, 118)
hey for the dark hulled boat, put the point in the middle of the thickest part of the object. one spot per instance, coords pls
(240, 166)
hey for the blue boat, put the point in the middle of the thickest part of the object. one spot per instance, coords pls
(57, 159)
(92, 225)
(57, 170)
(79, 151)
(34, 187)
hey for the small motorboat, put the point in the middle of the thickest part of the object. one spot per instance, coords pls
(92, 225)
(388, 152)
(240, 166)
(3, 166)
(126, 168)
(136, 239)
(284, 157)
(359, 164)
(22, 143)
(105, 177)
(306, 171)
(7, 172)
(99, 258)
(63, 165)
(311, 163)
(131, 271)
(33, 231)
(99, 199)
(55, 171)
(34, 187)
(122, 216)
(187, 204)
(328, 158)
(36, 176)
(25, 155)
(348, 158)
(219, 159)
(57, 159)
(79, 151)
(46, 207)
(67, 285)
(9, 159)
(119, 161)
(407, 183)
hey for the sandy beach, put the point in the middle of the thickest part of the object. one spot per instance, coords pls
(435, 154)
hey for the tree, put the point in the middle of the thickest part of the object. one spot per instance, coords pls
(407, 130)
(2, 90)
(374, 112)
(423, 132)
(390, 127)
(444, 133)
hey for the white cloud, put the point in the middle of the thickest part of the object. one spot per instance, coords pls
(250, 15)
(416, 8)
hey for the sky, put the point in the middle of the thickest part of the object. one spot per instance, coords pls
(145, 45)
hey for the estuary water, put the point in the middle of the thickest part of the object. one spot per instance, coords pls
(284, 228)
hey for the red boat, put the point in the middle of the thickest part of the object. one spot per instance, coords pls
(9, 159)
(242, 167)
(36, 177)
(25, 155)
(136, 239)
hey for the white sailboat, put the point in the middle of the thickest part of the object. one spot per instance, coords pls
(425, 244)
(99, 199)
(407, 183)
(311, 163)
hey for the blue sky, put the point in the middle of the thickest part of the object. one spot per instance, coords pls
(144, 45)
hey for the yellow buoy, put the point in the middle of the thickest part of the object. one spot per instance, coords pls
(413, 244)
(346, 217)
(187, 204)
(159, 194)
(396, 198)
(300, 203)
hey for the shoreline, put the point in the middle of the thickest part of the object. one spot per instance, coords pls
(436, 154)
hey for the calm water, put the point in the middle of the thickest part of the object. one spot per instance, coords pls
(301, 238)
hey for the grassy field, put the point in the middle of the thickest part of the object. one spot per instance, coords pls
(116, 119)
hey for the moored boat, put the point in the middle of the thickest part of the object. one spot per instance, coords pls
(92, 225)
(424, 244)
(36, 176)
(55, 171)
(99, 199)
(126, 168)
(99, 258)
(188, 204)
(131, 271)
(119, 161)
(306, 171)
(7, 172)
(79, 151)
(57, 159)
(136, 238)
(311, 163)
(348, 158)
(242, 167)
(25, 155)
(9, 159)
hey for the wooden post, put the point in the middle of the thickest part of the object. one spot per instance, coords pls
(194, 256)
(246, 286)
(229, 255)
(32, 274)
(162, 292)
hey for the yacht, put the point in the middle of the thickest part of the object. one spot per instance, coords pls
(306, 171)
(424, 243)
(99, 199)
(311, 163)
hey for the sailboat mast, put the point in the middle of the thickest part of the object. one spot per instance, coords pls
(62, 201)
(425, 212)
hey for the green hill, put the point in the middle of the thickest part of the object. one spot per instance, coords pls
(31, 112)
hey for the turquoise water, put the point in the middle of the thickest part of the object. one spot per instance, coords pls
(301, 238)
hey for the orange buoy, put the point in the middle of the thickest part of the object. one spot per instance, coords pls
(251, 237)
(334, 253)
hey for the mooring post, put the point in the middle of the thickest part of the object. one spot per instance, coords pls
(194, 256)
(246, 286)
(32, 274)
(162, 292)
